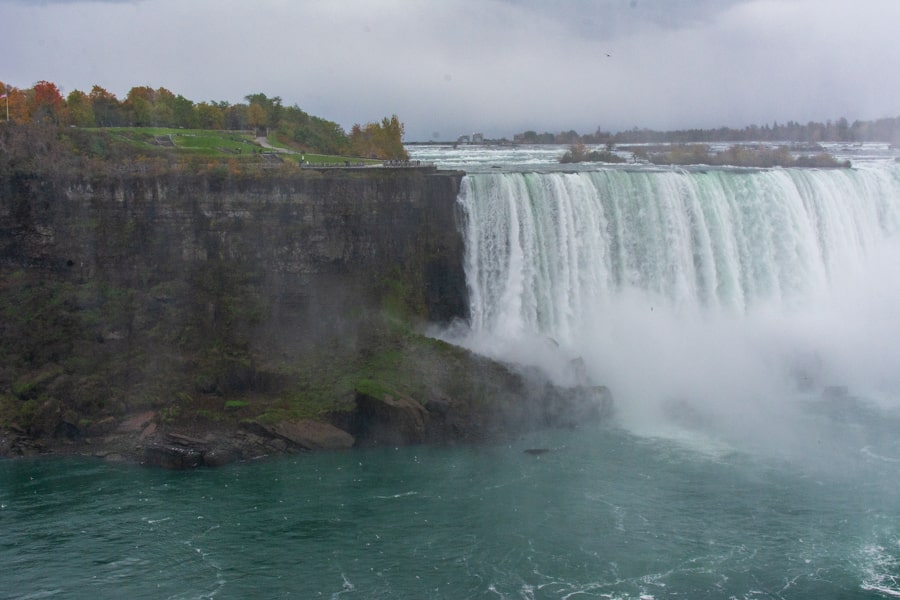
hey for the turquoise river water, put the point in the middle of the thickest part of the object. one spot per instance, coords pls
(746, 322)
(604, 514)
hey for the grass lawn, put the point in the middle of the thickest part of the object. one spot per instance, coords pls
(215, 143)
(195, 141)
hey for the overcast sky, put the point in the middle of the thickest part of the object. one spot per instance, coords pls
(449, 67)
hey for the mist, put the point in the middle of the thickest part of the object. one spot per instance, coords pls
(811, 327)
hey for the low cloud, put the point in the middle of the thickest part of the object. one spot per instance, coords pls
(496, 66)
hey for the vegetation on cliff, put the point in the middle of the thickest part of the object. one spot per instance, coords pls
(146, 306)
(144, 106)
(51, 150)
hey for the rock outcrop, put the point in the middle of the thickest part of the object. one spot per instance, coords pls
(190, 320)
(388, 420)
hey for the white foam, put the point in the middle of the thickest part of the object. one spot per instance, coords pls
(718, 292)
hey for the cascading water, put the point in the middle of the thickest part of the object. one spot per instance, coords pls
(706, 296)
(717, 305)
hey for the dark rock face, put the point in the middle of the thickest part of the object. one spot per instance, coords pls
(158, 319)
(306, 434)
(389, 420)
(312, 245)
(123, 294)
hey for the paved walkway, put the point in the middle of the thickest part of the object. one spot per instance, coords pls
(262, 141)
(348, 164)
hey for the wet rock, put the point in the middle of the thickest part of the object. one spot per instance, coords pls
(148, 431)
(172, 456)
(439, 407)
(67, 430)
(14, 442)
(136, 423)
(314, 435)
(390, 420)
(537, 451)
(221, 456)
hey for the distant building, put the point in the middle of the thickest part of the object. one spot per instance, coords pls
(475, 138)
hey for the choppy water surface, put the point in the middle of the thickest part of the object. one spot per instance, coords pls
(747, 323)
(605, 514)
(545, 157)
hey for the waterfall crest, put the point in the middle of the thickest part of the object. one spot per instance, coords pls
(690, 283)
(544, 249)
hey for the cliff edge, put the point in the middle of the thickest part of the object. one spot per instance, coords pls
(187, 319)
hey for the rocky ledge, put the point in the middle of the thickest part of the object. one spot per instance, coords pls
(183, 319)
(147, 438)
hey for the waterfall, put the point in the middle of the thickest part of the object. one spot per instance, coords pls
(692, 285)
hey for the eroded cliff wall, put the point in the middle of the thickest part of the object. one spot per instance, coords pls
(122, 292)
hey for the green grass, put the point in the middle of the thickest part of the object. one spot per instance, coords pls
(239, 145)
(195, 141)
(328, 159)
(215, 144)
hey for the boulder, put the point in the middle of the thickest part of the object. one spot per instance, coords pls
(172, 457)
(390, 420)
(313, 435)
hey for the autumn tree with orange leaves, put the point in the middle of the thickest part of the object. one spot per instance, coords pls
(45, 103)
(145, 106)
(18, 103)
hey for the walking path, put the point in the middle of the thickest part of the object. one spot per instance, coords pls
(348, 164)
(262, 141)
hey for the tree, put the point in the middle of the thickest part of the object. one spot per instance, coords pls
(311, 133)
(184, 113)
(235, 117)
(80, 110)
(138, 106)
(210, 116)
(46, 104)
(15, 100)
(392, 138)
(379, 140)
(270, 106)
(164, 108)
(107, 108)
(256, 116)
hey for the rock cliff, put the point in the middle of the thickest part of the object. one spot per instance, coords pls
(231, 312)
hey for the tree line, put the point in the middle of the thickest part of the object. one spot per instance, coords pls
(880, 130)
(144, 106)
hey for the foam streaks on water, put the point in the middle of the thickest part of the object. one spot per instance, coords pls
(696, 287)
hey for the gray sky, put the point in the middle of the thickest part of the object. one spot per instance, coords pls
(450, 67)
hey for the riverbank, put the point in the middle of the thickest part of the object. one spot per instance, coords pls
(463, 398)
(382, 385)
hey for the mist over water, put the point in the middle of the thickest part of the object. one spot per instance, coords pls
(718, 303)
(746, 322)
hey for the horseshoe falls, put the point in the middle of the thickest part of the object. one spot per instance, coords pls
(713, 302)
(747, 324)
